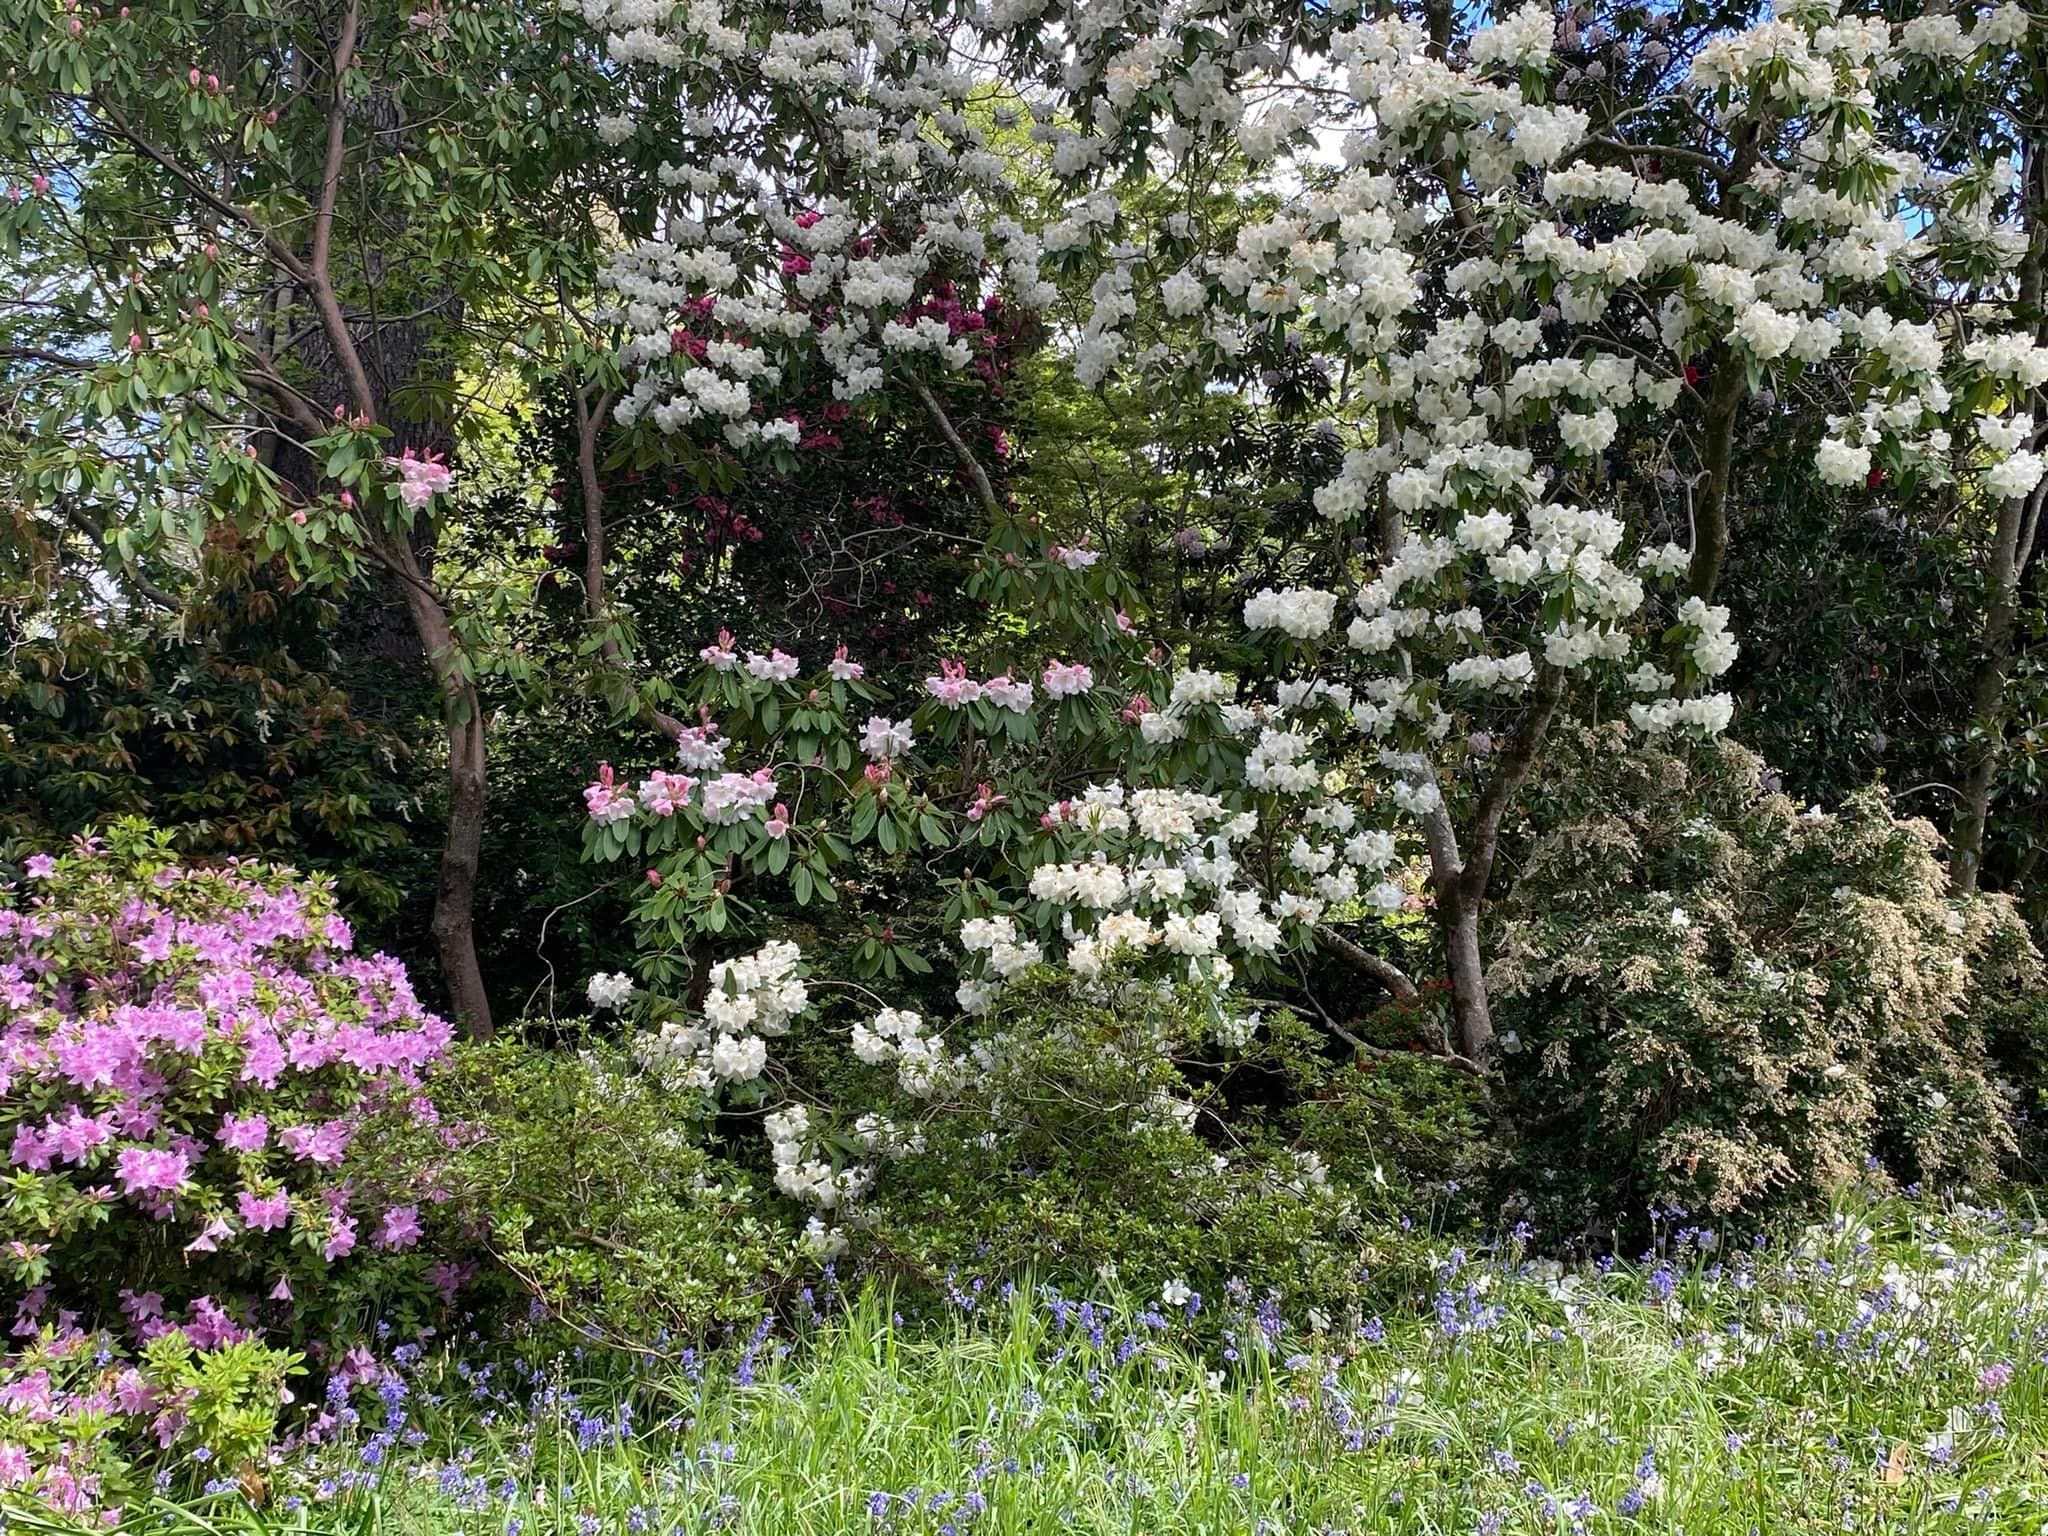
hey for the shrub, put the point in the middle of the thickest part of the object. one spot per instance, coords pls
(573, 1180)
(81, 1418)
(1719, 1002)
(187, 1056)
(1102, 1136)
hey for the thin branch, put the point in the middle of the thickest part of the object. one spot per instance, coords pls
(95, 530)
(280, 253)
(318, 278)
(961, 451)
(53, 359)
(1509, 775)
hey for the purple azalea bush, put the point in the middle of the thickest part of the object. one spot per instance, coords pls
(187, 1057)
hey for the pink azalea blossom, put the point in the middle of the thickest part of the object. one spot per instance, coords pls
(210, 1236)
(244, 1133)
(322, 1144)
(401, 1228)
(264, 1213)
(341, 1241)
(148, 1170)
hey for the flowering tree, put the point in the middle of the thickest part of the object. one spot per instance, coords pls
(1549, 286)
(260, 246)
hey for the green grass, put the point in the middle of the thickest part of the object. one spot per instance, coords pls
(1836, 1386)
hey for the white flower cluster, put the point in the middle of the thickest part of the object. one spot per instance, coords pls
(749, 1001)
(1158, 887)
(610, 991)
(1302, 612)
(923, 1065)
(802, 1175)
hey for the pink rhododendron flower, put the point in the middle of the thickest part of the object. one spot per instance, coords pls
(953, 687)
(607, 800)
(663, 793)
(421, 477)
(1062, 680)
(720, 656)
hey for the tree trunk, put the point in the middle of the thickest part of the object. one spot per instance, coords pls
(455, 888)
(2012, 546)
(1986, 743)
(1470, 1010)
(1710, 515)
(1462, 876)
(454, 926)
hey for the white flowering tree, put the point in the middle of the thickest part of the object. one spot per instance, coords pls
(1550, 257)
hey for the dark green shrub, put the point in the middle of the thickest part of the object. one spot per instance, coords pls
(1715, 1000)
(1102, 1139)
(568, 1180)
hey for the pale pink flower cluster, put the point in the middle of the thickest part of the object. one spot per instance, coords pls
(421, 477)
(1064, 680)
(954, 689)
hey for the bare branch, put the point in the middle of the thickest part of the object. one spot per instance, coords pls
(279, 252)
(95, 530)
(318, 278)
(961, 451)
(589, 415)
(1359, 958)
(1509, 775)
